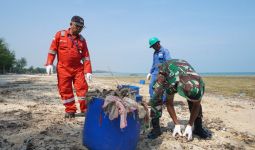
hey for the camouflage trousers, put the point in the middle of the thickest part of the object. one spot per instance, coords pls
(156, 109)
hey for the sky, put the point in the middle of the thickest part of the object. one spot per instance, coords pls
(212, 35)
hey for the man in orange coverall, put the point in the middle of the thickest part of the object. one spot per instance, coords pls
(73, 63)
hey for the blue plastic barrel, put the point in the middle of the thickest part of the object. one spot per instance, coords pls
(142, 82)
(138, 98)
(101, 133)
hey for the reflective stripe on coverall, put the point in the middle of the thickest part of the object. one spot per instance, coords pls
(71, 51)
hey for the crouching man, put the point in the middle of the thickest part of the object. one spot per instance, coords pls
(178, 76)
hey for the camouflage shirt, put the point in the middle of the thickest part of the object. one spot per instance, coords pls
(178, 76)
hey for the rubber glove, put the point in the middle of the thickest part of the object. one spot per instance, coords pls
(89, 77)
(188, 132)
(49, 69)
(148, 76)
(177, 130)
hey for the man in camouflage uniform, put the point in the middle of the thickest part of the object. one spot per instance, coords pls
(177, 76)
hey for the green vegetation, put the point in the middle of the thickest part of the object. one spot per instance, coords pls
(240, 86)
(9, 64)
(7, 58)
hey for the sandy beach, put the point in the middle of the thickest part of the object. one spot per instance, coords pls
(32, 117)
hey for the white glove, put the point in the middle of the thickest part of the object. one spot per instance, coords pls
(49, 69)
(177, 130)
(89, 76)
(188, 132)
(148, 76)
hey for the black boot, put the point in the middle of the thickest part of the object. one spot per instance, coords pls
(155, 132)
(69, 115)
(200, 131)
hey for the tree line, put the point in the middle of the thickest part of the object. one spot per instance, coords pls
(9, 63)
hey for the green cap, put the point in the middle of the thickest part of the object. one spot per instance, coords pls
(153, 41)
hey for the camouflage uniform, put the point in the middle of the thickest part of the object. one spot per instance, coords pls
(176, 76)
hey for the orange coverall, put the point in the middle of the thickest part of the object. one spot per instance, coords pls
(73, 62)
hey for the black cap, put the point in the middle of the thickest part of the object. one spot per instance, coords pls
(78, 20)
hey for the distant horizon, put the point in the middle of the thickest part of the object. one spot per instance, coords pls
(121, 72)
(96, 71)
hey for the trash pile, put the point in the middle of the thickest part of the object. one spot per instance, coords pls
(121, 102)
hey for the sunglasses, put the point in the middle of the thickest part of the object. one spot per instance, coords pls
(78, 26)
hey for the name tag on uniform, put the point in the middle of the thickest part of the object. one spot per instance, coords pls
(160, 55)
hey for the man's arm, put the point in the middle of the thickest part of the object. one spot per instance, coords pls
(87, 62)
(167, 55)
(193, 115)
(194, 112)
(53, 49)
(170, 108)
(152, 66)
(171, 111)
